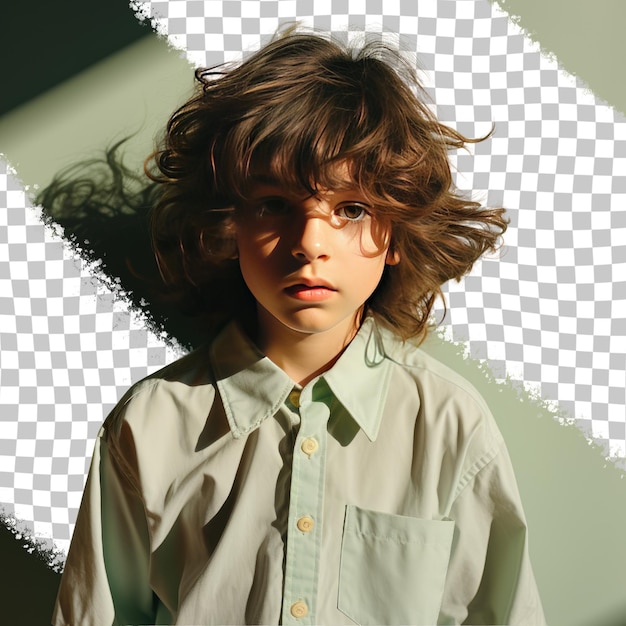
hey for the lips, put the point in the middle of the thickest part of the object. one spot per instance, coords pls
(311, 283)
(310, 290)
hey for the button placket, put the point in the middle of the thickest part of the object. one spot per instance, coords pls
(305, 510)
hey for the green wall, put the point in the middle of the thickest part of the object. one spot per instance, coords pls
(587, 38)
(132, 92)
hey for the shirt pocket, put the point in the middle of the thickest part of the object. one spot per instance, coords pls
(393, 568)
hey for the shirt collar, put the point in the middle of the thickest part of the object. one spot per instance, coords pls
(253, 388)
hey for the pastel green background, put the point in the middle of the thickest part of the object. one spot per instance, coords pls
(586, 36)
(575, 501)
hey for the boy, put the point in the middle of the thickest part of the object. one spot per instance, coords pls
(309, 465)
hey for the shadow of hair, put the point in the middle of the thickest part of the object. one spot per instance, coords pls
(103, 208)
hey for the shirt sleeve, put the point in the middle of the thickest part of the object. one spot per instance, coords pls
(490, 579)
(105, 580)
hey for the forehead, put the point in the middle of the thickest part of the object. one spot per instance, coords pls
(265, 185)
(333, 178)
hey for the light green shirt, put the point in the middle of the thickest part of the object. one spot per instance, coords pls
(221, 492)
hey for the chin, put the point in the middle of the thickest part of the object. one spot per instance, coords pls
(305, 329)
(318, 326)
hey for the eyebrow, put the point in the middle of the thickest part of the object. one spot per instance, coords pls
(271, 181)
(265, 179)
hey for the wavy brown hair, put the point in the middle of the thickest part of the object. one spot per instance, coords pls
(296, 109)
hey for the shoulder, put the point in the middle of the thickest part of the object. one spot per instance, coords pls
(454, 419)
(433, 377)
(175, 397)
(155, 433)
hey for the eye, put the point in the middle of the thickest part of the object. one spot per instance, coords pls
(352, 212)
(272, 207)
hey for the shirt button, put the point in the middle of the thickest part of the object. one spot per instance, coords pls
(294, 398)
(309, 446)
(305, 524)
(299, 609)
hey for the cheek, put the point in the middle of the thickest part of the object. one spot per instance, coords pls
(255, 243)
(367, 273)
(248, 248)
(247, 261)
(373, 240)
(256, 260)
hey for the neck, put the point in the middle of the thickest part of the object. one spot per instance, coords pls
(302, 355)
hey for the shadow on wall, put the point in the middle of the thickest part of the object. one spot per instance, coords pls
(29, 586)
(103, 209)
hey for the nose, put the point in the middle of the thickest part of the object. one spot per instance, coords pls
(311, 238)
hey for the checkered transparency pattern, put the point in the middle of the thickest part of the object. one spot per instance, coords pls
(547, 311)
(550, 311)
(69, 348)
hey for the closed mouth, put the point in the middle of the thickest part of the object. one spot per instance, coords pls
(310, 283)
(304, 291)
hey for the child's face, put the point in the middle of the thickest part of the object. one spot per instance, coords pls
(311, 262)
